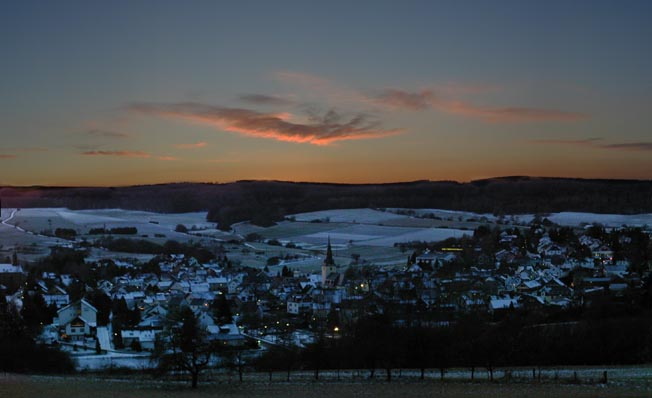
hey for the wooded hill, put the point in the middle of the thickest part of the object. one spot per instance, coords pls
(267, 201)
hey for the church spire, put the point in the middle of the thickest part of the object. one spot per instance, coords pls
(329, 254)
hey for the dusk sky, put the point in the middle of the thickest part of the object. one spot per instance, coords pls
(139, 92)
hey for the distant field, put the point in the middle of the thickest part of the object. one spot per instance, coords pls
(364, 216)
(288, 230)
(154, 226)
(608, 220)
(84, 387)
(566, 218)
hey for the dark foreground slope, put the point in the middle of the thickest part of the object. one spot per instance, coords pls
(270, 200)
(73, 387)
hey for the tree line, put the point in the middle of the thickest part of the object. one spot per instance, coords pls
(378, 345)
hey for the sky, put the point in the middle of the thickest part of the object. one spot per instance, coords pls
(113, 93)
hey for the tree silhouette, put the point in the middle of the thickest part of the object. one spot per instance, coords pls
(183, 345)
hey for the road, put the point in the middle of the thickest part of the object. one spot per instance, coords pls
(11, 216)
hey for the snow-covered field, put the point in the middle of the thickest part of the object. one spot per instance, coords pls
(425, 235)
(40, 219)
(382, 238)
(367, 227)
(608, 220)
(113, 360)
(363, 216)
(563, 218)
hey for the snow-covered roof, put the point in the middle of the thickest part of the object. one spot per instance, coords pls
(9, 268)
(503, 303)
(531, 284)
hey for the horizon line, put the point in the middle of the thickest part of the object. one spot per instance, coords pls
(505, 177)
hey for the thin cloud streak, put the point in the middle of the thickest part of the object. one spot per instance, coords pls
(35, 149)
(6, 156)
(631, 146)
(106, 133)
(331, 128)
(263, 99)
(196, 145)
(595, 143)
(397, 99)
(426, 99)
(126, 154)
(585, 142)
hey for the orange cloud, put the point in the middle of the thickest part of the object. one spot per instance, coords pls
(5, 156)
(331, 128)
(167, 158)
(195, 145)
(127, 154)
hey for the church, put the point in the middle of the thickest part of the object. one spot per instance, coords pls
(331, 277)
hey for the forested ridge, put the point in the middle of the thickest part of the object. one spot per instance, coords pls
(265, 202)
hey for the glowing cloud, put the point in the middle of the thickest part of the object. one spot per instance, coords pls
(330, 128)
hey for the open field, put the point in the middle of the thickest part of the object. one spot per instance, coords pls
(608, 220)
(78, 386)
(37, 220)
(567, 218)
(360, 216)
(22, 229)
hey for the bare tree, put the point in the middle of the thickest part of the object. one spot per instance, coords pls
(184, 345)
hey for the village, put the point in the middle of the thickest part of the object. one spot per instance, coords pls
(114, 314)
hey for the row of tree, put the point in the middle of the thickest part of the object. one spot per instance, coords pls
(376, 344)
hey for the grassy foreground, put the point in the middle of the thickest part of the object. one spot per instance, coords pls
(16, 386)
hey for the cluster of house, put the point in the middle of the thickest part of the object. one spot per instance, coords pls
(337, 292)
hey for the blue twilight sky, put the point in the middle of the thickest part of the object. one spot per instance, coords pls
(127, 92)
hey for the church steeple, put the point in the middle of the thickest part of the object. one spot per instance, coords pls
(329, 254)
(328, 267)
